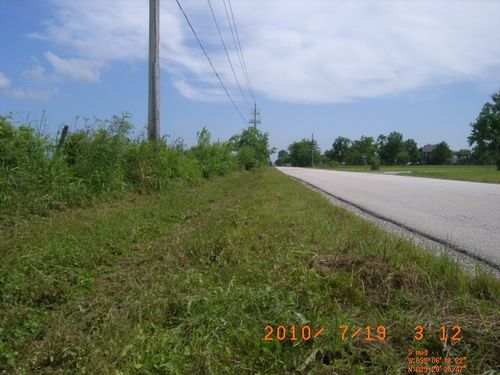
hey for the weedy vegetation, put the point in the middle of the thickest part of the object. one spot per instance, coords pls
(39, 174)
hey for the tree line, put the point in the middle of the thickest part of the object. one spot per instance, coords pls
(394, 149)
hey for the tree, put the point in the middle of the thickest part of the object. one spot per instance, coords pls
(485, 134)
(283, 158)
(412, 148)
(365, 147)
(390, 147)
(301, 152)
(441, 154)
(402, 157)
(464, 156)
(340, 149)
(381, 143)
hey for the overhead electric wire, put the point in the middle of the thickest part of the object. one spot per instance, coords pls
(237, 49)
(210, 61)
(241, 50)
(227, 55)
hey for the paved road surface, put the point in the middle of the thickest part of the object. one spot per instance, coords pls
(465, 215)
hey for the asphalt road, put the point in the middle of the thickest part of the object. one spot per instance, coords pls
(464, 215)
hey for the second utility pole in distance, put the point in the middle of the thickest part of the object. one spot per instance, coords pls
(254, 120)
(312, 149)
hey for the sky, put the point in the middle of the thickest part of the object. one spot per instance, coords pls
(332, 68)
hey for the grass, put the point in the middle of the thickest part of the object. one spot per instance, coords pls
(185, 281)
(477, 173)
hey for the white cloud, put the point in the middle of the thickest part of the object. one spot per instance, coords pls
(38, 75)
(295, 50)
(75, 68)
(31, 94)
(16, 93)
(198, 93)
(4, 81)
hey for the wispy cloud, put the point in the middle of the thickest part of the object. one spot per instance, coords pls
(32, 94)
(36, 73)
(75, 68)
(199, 93)
(299, 51)
(17, 93)
(4, 81)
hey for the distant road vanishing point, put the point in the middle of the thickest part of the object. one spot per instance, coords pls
(463, 215)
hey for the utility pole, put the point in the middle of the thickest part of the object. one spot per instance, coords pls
(154, 71)
(254, 120)
(312, 149)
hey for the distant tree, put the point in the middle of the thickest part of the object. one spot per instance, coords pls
(381, 143)
(392, 146)
(412, 148)
(361, 148)
(485, 134)
(283, 158)
(328, 156)
(483, 156)
(340, 149)
(402, 157)
(441, 154)
(464, 156)
(301, 153)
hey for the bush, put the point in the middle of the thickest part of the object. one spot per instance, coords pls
(252, 147)
(152, 167)
(31, 175)
(97, 157)
(331, 164)
(215, 158)
(375, 164)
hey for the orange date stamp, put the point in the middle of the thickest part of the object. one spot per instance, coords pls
(292, 333)
(306, 332)
(367, 333)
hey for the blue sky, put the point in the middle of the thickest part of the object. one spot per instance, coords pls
(332, 68)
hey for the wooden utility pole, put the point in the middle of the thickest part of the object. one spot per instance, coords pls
(154, 71)
(312, 149)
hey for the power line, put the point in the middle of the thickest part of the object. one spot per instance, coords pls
(210, 61)
(237, 49)
(227, 53)
(241, 50)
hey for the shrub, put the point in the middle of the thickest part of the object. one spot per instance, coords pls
(215, 159)
(375, 163)
(97, 157)
(332, 164)
(252, 147)
(31, 175)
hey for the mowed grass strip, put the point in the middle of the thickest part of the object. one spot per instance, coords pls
(194, 293)
(475, 173)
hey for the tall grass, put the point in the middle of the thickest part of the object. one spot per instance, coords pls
(38, 173)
